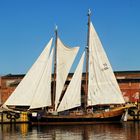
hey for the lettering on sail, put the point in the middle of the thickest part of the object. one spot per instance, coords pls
(105, 67)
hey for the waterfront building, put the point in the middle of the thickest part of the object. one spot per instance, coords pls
(129, 82)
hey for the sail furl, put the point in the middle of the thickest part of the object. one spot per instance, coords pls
(65, 59)
(23, 94)
(72, 96)
(103, 87)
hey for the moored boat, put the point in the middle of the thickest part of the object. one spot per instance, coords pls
(50, 101)
(111, 116)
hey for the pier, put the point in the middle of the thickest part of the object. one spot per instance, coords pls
(11, 117)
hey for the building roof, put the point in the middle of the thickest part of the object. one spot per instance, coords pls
(13, 75)
(119, 75)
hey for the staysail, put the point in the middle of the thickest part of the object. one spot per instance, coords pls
(65, 58)
(72, 96)
(23, 94)
(42, 97)
(102, 87)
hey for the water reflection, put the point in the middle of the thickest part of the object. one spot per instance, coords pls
(121, 131)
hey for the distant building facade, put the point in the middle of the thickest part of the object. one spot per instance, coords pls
(8, 83)
(129, 82)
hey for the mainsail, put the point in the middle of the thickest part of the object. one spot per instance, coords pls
(102, 87)
(65, 58)
(72, 97)
(23, 94)
(42, 97)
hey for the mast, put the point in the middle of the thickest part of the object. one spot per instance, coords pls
(87, 60)
(55, 64)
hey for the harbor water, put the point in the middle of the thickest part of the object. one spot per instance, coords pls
(112, 131)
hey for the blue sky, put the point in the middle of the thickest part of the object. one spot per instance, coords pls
(27, 25)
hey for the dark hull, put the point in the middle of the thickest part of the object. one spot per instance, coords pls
(106, 117)
(64, 121)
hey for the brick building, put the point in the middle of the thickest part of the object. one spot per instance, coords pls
(129, 82)
(8, 83)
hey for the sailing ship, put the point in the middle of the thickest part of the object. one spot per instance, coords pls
(49, 100)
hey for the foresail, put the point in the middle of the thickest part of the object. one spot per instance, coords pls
(42, 97)
(103, 87)
(23, 94)
(65, 58)
(72, 96)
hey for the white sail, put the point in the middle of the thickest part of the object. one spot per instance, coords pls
(42, 97)
(72, 96)
(102, 87)
(65, 58)
(23, 94)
